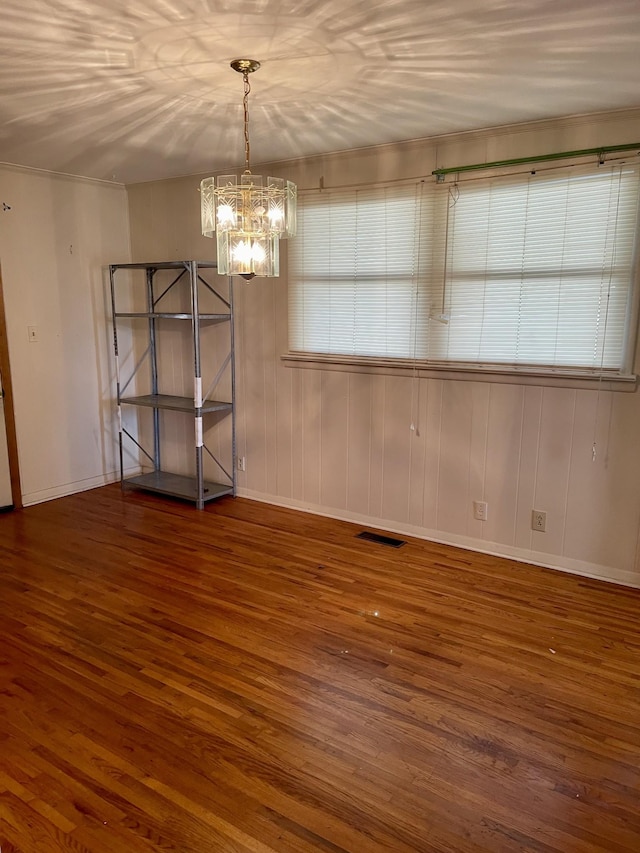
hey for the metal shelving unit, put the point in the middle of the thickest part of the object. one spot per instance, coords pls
(190, 278)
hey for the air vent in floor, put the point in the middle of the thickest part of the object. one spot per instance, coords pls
(381, 540)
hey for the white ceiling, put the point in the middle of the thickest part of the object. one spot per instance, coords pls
(134, 90)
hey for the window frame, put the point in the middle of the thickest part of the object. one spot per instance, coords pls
(624, 378)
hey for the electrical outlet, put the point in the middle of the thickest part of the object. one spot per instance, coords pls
(480, 509)
(538, 520)
(241, 463)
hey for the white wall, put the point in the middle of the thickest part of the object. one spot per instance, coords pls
(339, 442)
(54, 243)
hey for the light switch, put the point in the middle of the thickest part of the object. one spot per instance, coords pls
(34, 334)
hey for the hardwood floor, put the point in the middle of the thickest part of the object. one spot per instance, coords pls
(254, 680)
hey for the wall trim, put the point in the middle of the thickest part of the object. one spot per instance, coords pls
(594, 571)
(68, 176)
(62, 491)
(475, 134)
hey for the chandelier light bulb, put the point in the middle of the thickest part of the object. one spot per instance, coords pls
(225, 215)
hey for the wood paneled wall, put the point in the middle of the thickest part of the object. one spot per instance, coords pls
(340, 442)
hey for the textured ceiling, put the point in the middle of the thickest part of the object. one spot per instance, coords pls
(133, 90)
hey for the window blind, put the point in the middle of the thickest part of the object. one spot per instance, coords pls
(356, 273)
(540, 270)
(532, 271)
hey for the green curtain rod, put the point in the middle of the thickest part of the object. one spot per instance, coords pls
(561, 155)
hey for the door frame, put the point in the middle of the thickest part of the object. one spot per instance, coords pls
(9, 415)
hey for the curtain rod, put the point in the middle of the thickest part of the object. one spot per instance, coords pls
(561, 155)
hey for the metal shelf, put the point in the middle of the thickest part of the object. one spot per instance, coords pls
(176, 404)
(190, 288)
(165, 265)
(177, 486)
(155, 315)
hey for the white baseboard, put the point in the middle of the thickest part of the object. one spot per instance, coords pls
(31, 498)
(495, 549)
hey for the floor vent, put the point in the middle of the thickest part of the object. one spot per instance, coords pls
(381, 540)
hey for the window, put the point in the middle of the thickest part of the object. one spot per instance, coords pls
(353, 271)
(524, 273)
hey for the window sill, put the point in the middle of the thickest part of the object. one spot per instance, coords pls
(471, 373)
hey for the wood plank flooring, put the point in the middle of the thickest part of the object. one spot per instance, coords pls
(250, 679)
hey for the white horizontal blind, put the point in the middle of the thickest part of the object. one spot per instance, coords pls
(538, 274)
(540, 271)
(357, 272)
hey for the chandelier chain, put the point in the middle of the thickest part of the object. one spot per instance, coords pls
(245, 102)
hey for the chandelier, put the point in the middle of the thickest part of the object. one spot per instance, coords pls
(249, 216)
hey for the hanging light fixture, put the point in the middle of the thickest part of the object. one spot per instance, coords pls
(249, 217)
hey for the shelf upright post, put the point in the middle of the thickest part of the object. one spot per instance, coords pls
(197, 373)
(150, 271)
(112, 270)
(233, 386)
